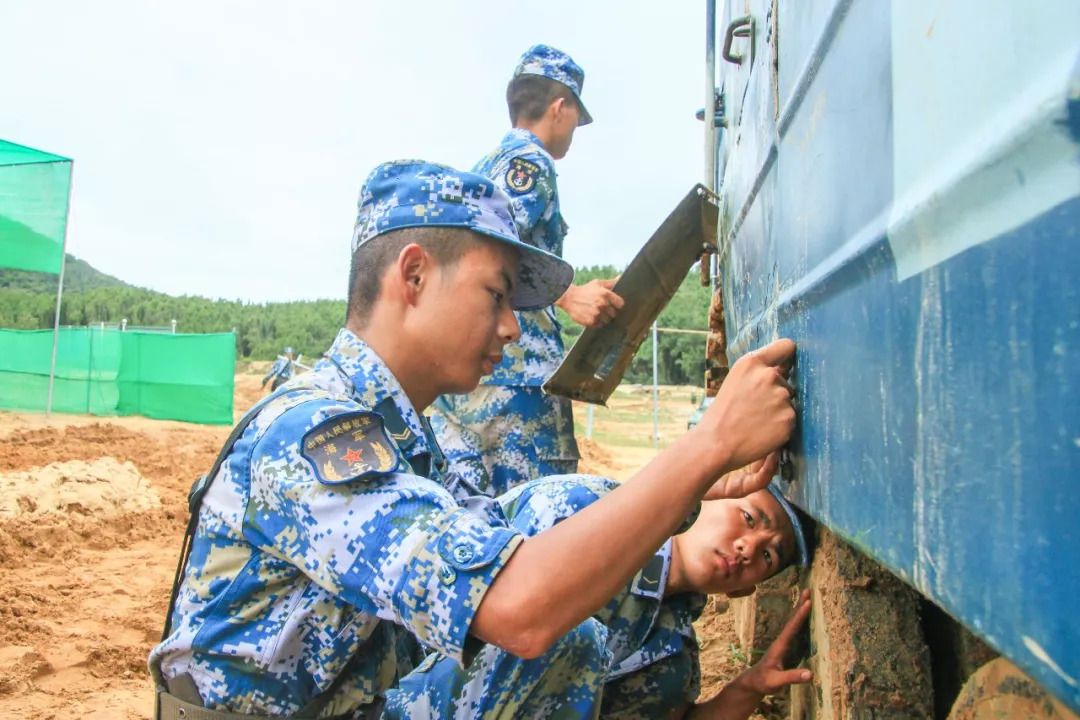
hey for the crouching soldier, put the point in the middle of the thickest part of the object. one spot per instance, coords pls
(327, 549)
(733, 544)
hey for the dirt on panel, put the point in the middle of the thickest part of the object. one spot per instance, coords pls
(868, 653)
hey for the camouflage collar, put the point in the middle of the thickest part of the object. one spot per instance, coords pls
(520, 137)
(371, 383)
(651, 581)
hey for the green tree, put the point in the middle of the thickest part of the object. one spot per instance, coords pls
(27, 301)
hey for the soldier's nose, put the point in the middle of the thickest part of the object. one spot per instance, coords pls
(511, 330)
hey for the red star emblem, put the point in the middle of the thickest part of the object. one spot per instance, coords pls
(351, 456)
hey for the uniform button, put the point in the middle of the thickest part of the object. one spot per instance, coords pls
(463, 553)
(447, 575)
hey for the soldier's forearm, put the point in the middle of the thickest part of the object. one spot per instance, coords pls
(565, 297)
(560, 577)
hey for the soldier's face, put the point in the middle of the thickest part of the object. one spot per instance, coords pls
(565, 123)
(470, 314)
(736, 543)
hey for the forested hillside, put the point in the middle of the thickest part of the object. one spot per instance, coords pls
(27, 301)
(79, 275)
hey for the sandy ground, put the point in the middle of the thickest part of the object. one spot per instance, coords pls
(92, 511)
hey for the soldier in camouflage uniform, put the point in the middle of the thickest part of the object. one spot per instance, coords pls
(331, 550)
(281, 371)
(654, 668)
(508, 431)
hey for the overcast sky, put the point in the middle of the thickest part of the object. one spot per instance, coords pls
(220, 145)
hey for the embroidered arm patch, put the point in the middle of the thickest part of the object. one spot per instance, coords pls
(522, 175)
(348, 447)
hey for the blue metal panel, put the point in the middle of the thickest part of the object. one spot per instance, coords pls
(911, 216)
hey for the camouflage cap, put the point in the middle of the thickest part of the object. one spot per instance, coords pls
(416, 193)
(801, 543)
(555, 64)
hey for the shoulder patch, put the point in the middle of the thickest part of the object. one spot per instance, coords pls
(521, 177)
(349, 446)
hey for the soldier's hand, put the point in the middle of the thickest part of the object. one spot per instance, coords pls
(745, 480)
(752, 415)
(593, 304)
(739, 699)
(768, 675)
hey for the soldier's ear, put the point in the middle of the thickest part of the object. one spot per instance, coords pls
(557, 107)
(413, 266)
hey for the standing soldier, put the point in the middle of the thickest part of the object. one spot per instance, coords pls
(281, 370)
(508, 431)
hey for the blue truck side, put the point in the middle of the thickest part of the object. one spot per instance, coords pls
(900, 193)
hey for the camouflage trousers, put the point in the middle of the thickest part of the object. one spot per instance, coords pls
(566, 682)
(570, 681)
(498, 437)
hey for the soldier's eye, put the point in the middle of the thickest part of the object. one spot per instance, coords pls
(768, 558)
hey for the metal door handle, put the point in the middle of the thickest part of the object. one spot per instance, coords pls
(740, 27)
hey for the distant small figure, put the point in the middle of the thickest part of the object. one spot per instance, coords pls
(281, 370)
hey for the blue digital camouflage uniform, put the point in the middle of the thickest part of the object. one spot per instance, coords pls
(280, 371)
(650, 637)
(508, 431)
(314, 534)
(324, 563)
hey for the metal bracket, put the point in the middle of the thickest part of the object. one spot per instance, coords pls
(718, 110)
(740, 27)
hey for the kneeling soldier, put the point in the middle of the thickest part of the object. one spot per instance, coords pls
(732, 544)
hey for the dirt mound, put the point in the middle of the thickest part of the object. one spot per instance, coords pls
(153, 469)
(595, 459)
(86, 562)
(168, 454)
(104, 487)
(19, 665)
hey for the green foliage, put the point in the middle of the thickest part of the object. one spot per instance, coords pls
(79, 275)
(27, 301)
(680, 357)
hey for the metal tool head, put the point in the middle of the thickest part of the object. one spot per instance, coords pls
(595, 364)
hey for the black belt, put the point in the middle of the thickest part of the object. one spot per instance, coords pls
(170, 707)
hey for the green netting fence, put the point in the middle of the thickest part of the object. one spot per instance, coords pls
(34, 189)
(103, 371)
